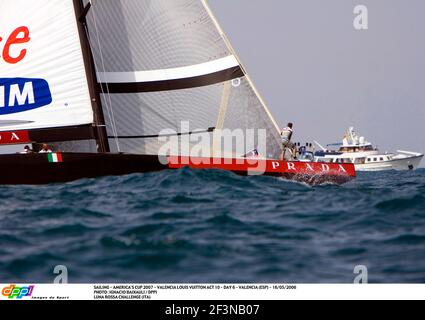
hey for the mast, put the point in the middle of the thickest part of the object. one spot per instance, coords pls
(99, 118)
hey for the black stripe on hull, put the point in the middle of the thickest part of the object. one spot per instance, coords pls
(176, 84)
(35, 169)
(62, 134)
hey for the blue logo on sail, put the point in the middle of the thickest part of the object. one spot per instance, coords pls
(22, 94)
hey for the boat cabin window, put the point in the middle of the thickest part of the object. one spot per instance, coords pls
(356, 149)
(375, 159)
(382, 159)
(344, 160)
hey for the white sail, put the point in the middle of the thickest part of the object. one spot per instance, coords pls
(43, 81)
(163, 62)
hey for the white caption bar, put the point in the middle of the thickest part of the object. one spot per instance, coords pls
(222, 292)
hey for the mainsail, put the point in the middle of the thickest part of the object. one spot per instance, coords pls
(161, 63)
(43, 81)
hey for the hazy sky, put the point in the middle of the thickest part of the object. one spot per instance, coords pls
(315, 69)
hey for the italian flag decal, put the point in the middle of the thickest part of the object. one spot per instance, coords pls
(55, 157)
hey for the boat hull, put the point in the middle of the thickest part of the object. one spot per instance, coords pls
(36, 169)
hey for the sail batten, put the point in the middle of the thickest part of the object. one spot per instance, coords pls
(203, 69)
(173, 84)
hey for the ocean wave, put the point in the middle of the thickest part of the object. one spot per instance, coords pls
(210, 225)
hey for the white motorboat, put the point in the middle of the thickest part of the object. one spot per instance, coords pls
(356, 149)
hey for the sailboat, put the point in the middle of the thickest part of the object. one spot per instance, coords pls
(116, 87)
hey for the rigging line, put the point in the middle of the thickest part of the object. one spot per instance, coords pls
(97, 68)
(108, 94)
(178, 134)
(109, 100)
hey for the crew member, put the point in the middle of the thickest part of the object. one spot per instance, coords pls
(302, 150)
(26, 150)
(45, 149)
(286, 136)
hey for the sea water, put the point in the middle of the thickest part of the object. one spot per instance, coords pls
(214, 226)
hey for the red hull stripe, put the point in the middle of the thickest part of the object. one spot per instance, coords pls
(262, 166)
(14, 137)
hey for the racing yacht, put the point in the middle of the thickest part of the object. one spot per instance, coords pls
(131, 86)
